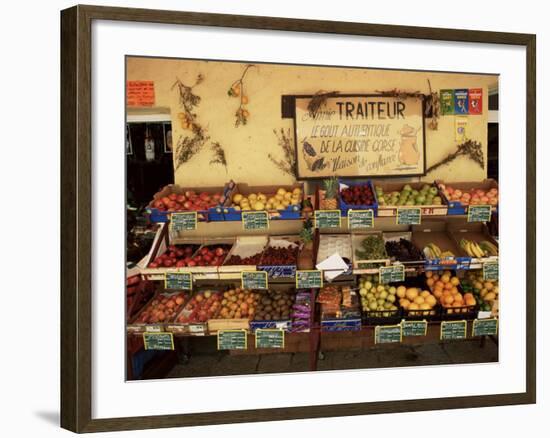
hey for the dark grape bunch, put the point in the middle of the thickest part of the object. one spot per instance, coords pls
(403, 251)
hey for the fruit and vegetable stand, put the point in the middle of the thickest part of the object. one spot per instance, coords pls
(424, 277)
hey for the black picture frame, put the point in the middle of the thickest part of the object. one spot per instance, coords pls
(76, 223)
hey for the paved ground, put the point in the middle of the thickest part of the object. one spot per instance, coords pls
(206, 363)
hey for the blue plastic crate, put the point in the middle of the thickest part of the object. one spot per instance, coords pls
(278, 271)
(345, 207)
(341, 325)
(291, 212)
(282, 324)
(456, 263)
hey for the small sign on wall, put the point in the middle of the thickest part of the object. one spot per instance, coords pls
(140, 93)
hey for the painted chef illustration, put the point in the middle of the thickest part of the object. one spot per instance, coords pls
(408, 148)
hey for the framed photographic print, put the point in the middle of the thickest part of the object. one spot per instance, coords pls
(325, 222)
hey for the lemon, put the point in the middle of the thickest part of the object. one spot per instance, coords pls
(287, 195)
(281, 191)
(237, 198)
(259, 206)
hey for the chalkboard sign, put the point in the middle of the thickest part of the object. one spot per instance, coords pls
(309, 279)
(490, 270)
(360, 219)
(479, 213)
(453, 330)
(270, 338)
(232, 340)
(485, 327)
(255, 220)
(409, 216)
(326, 218)
(183, 221)
(254, 279)
(158, 341)
(414, 328)
(391, 274)
(386, 334)
(178, 280)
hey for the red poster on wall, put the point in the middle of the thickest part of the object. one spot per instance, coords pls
(140, 93)
(475, 99)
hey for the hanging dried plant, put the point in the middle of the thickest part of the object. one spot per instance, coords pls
(219, 155)
(470, 149)
(189, 145)
(237, 90)
(187, 99)
(433, 107)
(288, 163)
(401, 94)
(318, 100)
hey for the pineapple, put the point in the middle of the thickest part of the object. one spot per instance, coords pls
(306, 234)
(305, 256)
(329, 202)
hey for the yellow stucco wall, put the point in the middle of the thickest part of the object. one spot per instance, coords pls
(247, 147)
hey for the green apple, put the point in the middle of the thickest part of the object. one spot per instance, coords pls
(433, 191)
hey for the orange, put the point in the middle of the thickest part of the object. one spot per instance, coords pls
(438, 293)
(431, 301)
(448, 299)
(411, 293)
(445, 278)
(455, 281)
(435, 277)
(429, 274)
(440, 284)
(448, 286)
(454, 290)
(468, 295)
(413, 306)
(404, 303)
(470, 301)
(430, 282)
(425, 306)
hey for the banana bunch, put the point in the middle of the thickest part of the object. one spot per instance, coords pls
(489, 248)
(473, 249)
(432, 251)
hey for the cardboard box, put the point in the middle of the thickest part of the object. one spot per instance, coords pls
(290, 212)
(245, 246)
(456, 207)
(361, 266)
(407, 235)
(136, 327)
(281, 271)
(210, 214)
(227, 324)
(193, 327)
(476, 232)
(391, 210)
(160, 247)
(436, 232)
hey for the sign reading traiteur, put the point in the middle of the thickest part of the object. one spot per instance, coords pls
(368, 135)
